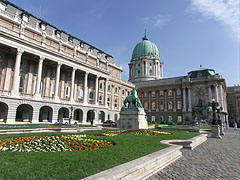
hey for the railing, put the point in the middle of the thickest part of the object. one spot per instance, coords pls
(15, 32)
(4, 93)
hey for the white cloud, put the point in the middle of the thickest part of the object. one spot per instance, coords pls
(226, 12)
(156, 21)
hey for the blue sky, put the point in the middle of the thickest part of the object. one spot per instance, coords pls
(188, 33)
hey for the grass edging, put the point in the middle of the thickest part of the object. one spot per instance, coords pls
(148, 165)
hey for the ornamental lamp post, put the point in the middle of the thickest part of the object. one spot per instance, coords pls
(215, 126)
(220, 123)
(214, 105)
(71, 116)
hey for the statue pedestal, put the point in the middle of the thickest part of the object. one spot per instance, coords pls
(216, 131)
(221, 130)
(132, 118)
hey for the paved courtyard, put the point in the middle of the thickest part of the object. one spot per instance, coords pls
(215, 159)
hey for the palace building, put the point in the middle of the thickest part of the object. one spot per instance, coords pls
(233, 100)
(47, 74)
(178, 100)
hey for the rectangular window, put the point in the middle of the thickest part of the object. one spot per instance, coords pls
(145, 94)
(115, 104)
(91, 96)
(161, 93)
(108, 101)
(153, 119)
(116, 90)
(153, 94)
(100, 85)
(109, 88)
(179, 120)
(153, 106)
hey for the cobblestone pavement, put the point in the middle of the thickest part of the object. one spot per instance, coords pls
(215, 159)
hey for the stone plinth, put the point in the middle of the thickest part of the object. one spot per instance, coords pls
(216, 131)
(132, 118)
(221, 130)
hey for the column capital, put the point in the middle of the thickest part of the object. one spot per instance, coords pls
(20, 51)
(74, 68)
(41, 58)
(59, 64)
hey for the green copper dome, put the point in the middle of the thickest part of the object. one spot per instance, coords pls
(145, 47)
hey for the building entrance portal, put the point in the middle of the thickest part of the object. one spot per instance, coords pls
(24, 113)
(45, 114)
(3, 112)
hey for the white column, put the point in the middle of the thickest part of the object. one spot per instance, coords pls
(210, 93)
(85, 89)
(56, 96)
(105, 92)
(72, 83)
(39, 76)
(14, 91)
(161, 66)
(189, 100)
(221, 95)
(96, 90)
(184, 100)
(216, 92)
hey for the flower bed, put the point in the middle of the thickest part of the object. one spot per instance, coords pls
(67, 143)
(141, 132)
(52, 144)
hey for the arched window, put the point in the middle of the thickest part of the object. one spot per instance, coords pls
(68, 92)
(52, 90)
(178, 92)
(21, 84)
(80, 94)
(150, 72)
(139, 72)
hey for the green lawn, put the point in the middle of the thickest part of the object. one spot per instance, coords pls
(34, 126)
(77, 165)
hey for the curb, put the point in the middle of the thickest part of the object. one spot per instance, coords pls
(41, 130)
(148, 165)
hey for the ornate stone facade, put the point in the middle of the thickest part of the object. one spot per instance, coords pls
(47, 75)
(233, 100)
(178, 100)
